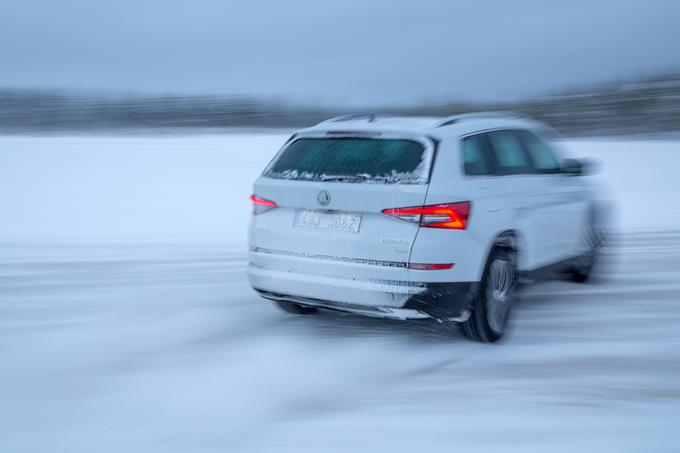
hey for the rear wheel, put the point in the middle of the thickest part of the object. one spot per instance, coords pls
(495, 296)
(296, 309)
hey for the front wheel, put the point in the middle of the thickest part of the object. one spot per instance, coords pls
(495, 296)
(592, 240)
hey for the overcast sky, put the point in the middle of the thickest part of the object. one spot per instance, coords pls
(348, 51)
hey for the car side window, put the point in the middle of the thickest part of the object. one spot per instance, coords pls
(510, 153)
(476, 156)
(542, 156)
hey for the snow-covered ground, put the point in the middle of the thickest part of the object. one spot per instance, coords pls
(126, 322)
(195, 188)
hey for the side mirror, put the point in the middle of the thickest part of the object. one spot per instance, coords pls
(579, 167)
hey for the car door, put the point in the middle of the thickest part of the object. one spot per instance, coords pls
(519, 193)
(562, 218)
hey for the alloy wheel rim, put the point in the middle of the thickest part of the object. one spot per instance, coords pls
(499, 288)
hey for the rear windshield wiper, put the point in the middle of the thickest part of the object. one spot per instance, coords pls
(343, 178)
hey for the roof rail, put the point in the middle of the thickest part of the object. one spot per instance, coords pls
(449, 120)
(370, 117)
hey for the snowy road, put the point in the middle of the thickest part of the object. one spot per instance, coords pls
(167, 349)
(122, 331)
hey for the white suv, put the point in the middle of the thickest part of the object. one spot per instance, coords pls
(418, 217)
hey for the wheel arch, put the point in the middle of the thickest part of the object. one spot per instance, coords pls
(508, 239)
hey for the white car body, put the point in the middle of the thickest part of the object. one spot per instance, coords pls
(371, 271)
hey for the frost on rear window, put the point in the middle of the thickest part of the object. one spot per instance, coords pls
(351, 159)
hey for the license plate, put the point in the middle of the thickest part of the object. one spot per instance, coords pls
(338, 221)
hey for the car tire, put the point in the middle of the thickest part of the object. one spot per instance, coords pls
(296, 309)
(592, 239)
(497, 290)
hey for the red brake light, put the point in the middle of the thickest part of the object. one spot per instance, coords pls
(448, 215)
(261, 205)
(430, 266)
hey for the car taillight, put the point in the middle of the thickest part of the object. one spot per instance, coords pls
(430, 266)
(261, 205)
(453, 216)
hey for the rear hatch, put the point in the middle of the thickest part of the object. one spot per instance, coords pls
(329, 190)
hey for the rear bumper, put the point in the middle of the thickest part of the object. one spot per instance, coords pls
(366, 310)
(445, 301)
(452, 305)
(357, 289)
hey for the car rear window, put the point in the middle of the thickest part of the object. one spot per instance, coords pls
(352, 159)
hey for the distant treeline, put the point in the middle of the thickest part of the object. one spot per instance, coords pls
(642, 106)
